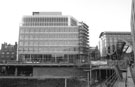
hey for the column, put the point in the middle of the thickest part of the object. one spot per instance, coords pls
(88, 78)
(16, 71)
(65, 82)
(30, 57)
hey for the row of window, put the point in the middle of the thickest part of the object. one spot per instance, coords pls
(118, 36)
(68, 58)
(45, 19)
(45, 36)
(2, 56)
(45, 24)
(47, 43)
(7, 52)
(48, 29)
(45, 49)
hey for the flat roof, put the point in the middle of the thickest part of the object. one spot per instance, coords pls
(114, 33)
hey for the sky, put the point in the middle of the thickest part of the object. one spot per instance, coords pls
(99, 15)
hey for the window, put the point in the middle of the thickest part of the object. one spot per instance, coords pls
(21, 43)
(3, 52)
(26, 44)
(31, 49)
(21, 37)
(35, 43)
(21, 30)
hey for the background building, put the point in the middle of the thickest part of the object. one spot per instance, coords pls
(94, 53)
(8, 52)
(108, 41)
(51, 37)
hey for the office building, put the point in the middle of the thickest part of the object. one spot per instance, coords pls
(50, 37)
(108, 41)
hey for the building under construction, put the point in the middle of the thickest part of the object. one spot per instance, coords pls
(51, 50)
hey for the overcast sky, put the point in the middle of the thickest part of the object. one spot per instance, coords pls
(99, 15)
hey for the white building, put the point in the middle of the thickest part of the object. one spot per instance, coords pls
(108, 41)
(50, 37)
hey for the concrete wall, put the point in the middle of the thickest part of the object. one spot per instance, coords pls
(48, 72)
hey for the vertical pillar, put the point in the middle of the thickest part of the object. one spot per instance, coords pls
(95, 76)
(88, 79)
(105, 73)
(108, 73)
(55, 58)
(100, 75)
(68, 58)
(30, 57)
(16, 71)
(65, 82)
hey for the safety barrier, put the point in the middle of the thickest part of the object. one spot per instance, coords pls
(110, 81)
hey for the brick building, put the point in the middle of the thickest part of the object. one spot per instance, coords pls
(8, 52)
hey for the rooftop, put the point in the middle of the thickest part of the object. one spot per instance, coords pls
(47, 13)
(114, 33)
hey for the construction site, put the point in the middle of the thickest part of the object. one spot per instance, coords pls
(53, 51)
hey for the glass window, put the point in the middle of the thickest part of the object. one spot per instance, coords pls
(26, 37)
(31, 49)
(22, 30)
(21, 43)
(3, 52)
(35, 43)
(26, 43)
(36, 30)
(20, 49)
(31, 30)
(35, 49)
(25, 49)
(21, 37)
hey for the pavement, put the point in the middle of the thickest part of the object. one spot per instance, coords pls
(130, 82)
(133, 73)
(127, 80)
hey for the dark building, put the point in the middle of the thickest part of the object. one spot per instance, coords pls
(8, 52)
(94, 53)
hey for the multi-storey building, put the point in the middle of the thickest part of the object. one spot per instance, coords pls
(8, 52)
(51, 37)
(108, 41)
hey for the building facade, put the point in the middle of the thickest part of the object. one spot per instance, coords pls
(94, 53)
(108, 41)
(8, 52)
(50, 37)
(133, 24)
